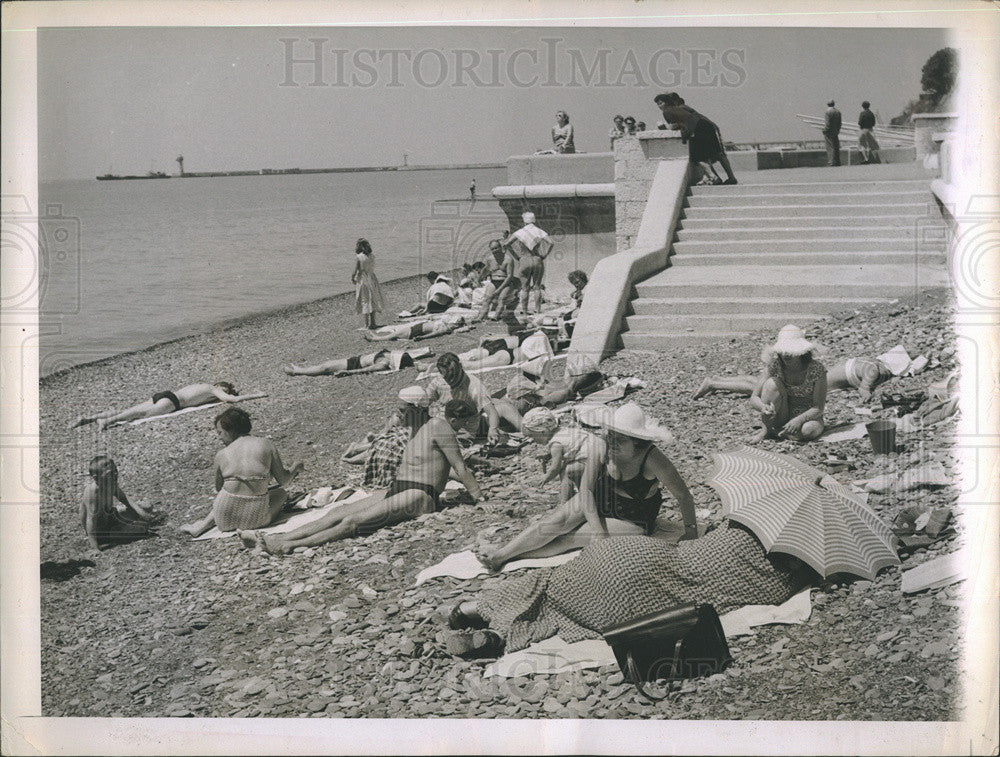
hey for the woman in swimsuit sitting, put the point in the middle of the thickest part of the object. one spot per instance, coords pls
(164, 403)
(792, 399)
(243, 469)
(619, 493)
(420, 479)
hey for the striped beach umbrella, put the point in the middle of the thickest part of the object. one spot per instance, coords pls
(801, 511)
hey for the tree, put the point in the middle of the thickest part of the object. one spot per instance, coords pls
(938, 75)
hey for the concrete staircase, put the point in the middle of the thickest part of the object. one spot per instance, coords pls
(790, 248)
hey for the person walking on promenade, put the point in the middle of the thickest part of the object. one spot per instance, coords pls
(472, 190)
(866, 138)
(831, 133)
(368, 293)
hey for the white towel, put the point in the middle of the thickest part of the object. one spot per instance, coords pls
(933, 574)
(896, 360)
(530, 235)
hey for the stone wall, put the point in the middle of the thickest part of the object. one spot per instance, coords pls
(926, 125)
(636, 162)
(579, 168)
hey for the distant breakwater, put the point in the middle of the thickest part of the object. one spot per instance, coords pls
(292, 171)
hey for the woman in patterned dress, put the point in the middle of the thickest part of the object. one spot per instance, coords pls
(367, 292)
(615, 580)
(792, 399)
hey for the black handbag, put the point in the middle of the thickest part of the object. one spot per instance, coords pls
(682, 642)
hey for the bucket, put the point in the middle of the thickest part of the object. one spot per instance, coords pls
(882, 435)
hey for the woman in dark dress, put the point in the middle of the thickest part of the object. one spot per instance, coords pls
(702, 135)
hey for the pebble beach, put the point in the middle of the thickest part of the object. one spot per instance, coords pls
(170, 627)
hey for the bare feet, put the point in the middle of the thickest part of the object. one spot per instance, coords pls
(292, 369)
(249, 538)
(490, 561)
(702, 390)
(191, 529)
(101, 424)
(271, 547)
(81, 421)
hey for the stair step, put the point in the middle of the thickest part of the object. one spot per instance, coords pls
(741, 258)
(669, 339)
(909, 231)
(753, 221)
(655, 306)
(864, 188)
(808, 246)
(748, 320)
(825, 199)
(928, 209)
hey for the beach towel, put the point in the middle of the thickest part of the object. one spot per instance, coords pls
(187, 410)
(616, 389)
(530, 235)
(553, 655)
(933, 574)
(900, 363)
(305, 511)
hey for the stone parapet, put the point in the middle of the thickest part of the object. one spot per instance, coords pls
(925, 125)
(636, 163)
(577, 168)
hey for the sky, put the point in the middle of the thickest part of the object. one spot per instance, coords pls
(129, 100)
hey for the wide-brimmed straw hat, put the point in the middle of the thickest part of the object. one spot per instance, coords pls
(414, 395)
(631, 420)
(792, 341)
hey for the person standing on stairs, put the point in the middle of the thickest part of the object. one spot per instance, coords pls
(831, 133)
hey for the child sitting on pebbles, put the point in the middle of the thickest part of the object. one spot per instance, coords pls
(101, 521)
(566, 448)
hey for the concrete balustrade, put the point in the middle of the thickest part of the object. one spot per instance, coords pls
(598, 326)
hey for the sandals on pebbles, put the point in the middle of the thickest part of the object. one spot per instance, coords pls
(474, 644)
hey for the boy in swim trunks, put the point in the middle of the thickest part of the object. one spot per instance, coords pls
(101, 521)
(420, 479)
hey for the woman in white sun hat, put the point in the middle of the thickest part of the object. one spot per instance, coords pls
(792, 398)
(619, 492)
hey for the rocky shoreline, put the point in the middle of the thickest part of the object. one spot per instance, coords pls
(171, 627)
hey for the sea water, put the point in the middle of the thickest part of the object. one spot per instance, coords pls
(127, 264)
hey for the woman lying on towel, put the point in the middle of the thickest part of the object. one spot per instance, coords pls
(619, 493)
(616, 580)
(383, 360)
(420, 479)
(243, 469)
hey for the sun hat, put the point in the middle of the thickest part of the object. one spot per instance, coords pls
(792, 341)
(631, 420)
(414, 395)
(592, 415)
(539, 420)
